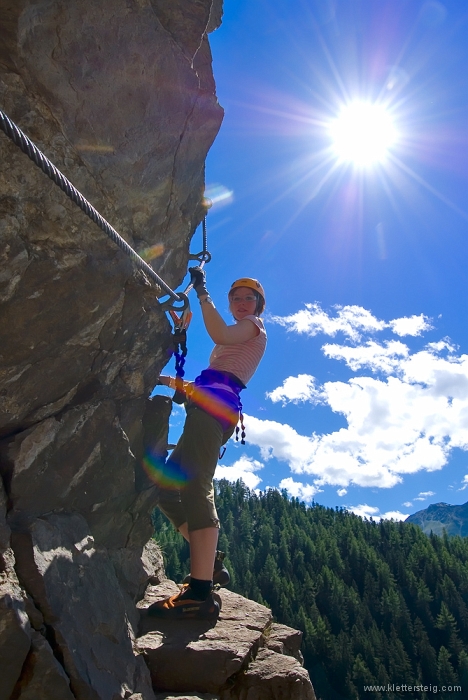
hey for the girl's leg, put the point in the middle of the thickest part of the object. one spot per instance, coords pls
(197, 454)
(203, 545)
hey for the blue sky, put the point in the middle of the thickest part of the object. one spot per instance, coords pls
(361, 400)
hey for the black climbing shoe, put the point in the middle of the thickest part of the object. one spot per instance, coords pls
(220, 573)
(184, 607)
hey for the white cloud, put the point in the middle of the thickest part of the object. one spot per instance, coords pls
(464, 483)
(394, 515)
(305, 492)
(352, 321)
(244, 468)
(406, 418)
(444, 344)
(365, 511)
(342, 492)
(404, 423)
(385, 358)
(407, 504)
(410, 325)
(296, 389)
(333, 459)
(424, 495)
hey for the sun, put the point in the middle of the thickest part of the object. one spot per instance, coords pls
(363, 133)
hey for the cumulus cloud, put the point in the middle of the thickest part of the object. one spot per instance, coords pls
(296, 389)
(349, 320)
(384, 357)
(353, 321)
(406, 418)
(464, 483)
(305, 492)
(410, 325)
(444, 344)
(366, 512)
(424, 495)
(244, 468)
(342, 492)
(339, 459)
(394, 515)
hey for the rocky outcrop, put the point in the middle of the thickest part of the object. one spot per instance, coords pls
(120, 96)
(244, 656)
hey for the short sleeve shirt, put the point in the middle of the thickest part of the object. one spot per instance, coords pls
(241, 359)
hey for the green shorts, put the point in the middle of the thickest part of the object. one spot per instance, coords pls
(197, 454)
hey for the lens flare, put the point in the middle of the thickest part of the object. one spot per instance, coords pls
(169, 474)
(164, 473)
(154, 251)
(219, 195)
(363, 133)
(94, 148)
(212, 402)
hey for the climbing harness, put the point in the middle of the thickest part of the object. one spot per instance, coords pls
(20, 139)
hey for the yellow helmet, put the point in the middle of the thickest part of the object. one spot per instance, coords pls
(254, 284)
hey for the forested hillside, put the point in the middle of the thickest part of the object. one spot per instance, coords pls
(379, 603)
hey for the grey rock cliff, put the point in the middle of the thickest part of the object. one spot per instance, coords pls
(120, 96)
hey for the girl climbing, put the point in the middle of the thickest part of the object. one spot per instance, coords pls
(213, 407)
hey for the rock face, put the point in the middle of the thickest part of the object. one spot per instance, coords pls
(120, 96)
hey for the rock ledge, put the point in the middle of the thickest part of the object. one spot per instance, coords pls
(237, 658)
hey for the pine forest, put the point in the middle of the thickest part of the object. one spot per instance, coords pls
(379, 603)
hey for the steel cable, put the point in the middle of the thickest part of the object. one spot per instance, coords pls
(20, 139)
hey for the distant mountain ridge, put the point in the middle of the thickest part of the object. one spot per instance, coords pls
(442, 516)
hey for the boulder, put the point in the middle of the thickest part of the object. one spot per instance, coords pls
(199, 655)
(228, 657)
(272, 676)
(285, 640)
(78, 462)
(118, 105)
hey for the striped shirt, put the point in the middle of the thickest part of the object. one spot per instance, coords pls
(241, 359)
